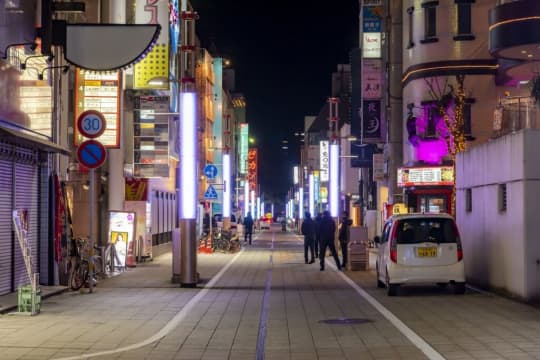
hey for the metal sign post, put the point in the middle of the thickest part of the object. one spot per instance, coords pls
(92, 154)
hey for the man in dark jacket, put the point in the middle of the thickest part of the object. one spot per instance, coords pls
(318, 219)
(309, 229)
(248, 227)
(343, 237)
(327, 232)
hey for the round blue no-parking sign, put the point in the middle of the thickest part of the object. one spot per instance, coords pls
(92, 154)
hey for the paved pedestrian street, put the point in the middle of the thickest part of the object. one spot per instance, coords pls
(266, 303)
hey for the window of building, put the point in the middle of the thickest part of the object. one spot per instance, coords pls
(430, 22)
(431, 116)
(410, 13)
(464, 17)
(467, 118)
(468, 200)
(502, 197)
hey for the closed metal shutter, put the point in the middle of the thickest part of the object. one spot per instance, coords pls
(27, 197)
(6, 241)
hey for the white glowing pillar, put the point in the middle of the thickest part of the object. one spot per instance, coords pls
(301, 203)
(227, 185)
(252, 203)
(311, 204)
(188, 157)
(334, 180)
(246, 198)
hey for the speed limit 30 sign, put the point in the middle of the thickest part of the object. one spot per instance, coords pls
(91, 124)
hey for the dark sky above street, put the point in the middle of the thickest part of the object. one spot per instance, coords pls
(283, 54)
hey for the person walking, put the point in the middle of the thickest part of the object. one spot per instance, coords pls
(327, 232)
(309, 230)
(318, 219)
(248, 227)
(343, 237)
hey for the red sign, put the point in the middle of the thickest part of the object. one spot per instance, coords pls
(252, 168)
(91, 124)
(425, 176)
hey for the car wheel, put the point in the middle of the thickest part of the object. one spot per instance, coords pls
(459, 288)
(391, 289)
(380, 284)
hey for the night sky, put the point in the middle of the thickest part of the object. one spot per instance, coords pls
(283, 54)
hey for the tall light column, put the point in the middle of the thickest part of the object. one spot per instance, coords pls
(301, 203)
(258, 207)
(334, 180)
(246, 198)
(253, 203)
(311, 205)
(187, 180)
(227, 185)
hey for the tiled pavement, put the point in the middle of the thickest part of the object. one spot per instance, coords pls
(266, 304)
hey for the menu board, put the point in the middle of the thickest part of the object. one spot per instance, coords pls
(101, 92)
(36, 103)
(439, 175)
(151, 137)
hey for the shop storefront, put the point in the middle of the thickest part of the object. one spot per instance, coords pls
(24, 180)
(427, 188)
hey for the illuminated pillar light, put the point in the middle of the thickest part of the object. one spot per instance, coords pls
(301, 203)
(295, 175)
(188, 157)
(246, 198)
(258, 209)
(227, 185)
(272, 210)
(252, 203)
(262, 209)
(334, 180)
(311, 204)
(291, 209)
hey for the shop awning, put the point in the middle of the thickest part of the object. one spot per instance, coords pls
(20, 137)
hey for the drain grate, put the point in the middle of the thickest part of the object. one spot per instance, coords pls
(345, 321)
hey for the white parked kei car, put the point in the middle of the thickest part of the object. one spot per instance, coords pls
(420, 249)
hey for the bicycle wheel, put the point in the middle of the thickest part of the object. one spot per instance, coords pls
(80, 275)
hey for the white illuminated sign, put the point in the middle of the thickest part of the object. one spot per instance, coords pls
(371, 45)
(334, 180)
(323, 145)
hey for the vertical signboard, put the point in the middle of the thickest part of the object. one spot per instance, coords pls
(151, 137)
(324, 158)
(244, 134)
(371, 120)
(100, 92)
(372, 79)
(371, 45)
(252, 169)
(156, 63)
(379, 170)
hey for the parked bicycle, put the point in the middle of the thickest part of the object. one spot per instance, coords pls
(80, 264)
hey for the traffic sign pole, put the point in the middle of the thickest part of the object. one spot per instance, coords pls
(91, 233)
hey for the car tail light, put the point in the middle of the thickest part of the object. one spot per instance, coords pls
(458, 243)
(393, 244)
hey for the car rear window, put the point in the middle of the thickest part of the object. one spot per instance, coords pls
(419, 230)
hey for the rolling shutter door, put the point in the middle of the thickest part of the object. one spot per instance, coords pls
(6, 241)
(27, 197)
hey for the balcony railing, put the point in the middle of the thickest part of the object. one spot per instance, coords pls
(516, 113)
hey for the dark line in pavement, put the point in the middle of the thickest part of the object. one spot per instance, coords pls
(261, 338)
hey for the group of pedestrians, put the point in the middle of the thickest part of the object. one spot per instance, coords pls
(319, 236)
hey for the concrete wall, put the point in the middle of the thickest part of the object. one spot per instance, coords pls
(500, 247)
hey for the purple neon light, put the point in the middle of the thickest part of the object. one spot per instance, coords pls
(188, 157)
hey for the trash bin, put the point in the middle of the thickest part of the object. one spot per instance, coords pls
(29, 302)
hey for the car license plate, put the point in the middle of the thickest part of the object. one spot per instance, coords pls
(427, 252)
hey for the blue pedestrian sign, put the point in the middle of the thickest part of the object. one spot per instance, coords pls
(210, 193)
(210, 171)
